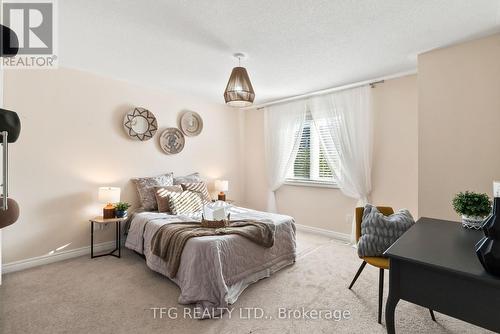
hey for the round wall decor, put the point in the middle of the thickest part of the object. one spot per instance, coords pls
(191, 123)
(172, 141)
(140, 124)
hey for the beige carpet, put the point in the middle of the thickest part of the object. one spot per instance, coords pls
(109, 295)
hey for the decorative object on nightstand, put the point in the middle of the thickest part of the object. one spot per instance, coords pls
(191, 123)
(473, 207)
(118, 240)
(488, 248)
(109, 195)
(221, 186)
(121, 209)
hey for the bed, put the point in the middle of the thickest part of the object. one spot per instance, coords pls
(214, 270)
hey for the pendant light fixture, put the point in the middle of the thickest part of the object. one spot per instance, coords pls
(239, 91)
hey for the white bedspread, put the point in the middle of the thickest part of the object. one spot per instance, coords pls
(215, 270)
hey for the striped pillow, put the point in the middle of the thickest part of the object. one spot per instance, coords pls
(199, 187)
(185, 202)
(162, 200)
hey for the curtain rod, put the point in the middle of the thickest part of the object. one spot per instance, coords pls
(371, 82)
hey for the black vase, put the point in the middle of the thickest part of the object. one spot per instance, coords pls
(10, 122)
(488, 248)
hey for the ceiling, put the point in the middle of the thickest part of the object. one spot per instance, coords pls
(293, 46)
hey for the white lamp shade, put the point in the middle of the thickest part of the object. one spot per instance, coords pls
(109, 194)
(221, 185)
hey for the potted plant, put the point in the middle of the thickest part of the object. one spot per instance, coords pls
(473, 208)
(121, 209)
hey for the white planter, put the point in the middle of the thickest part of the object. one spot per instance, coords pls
(472, 222)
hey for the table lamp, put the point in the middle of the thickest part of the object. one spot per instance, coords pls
(109, 195)
(221, 186)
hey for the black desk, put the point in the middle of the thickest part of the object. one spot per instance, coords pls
(434, 265)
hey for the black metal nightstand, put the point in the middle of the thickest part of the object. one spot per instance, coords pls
(100, 220)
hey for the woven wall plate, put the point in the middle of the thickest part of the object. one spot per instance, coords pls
(191, 123)
(172, 141)
(140, 124)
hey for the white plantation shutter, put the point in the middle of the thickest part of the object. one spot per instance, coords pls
(310, 164)
(327, 148)
(302, 163)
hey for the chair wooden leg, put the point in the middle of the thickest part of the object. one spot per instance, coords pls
(380, 294)
(357, 274)
(432, 315)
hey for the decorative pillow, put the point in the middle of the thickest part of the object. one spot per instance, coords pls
(185, 202)
(200, 187)
(146, 191)
(379, 232)
(161, 194)
(191, 178)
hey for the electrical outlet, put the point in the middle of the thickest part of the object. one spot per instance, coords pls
(348, 219)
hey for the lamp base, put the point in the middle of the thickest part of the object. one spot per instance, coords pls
(221, 196)
(108, 213)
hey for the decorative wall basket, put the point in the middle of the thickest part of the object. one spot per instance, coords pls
(140, 124)
(191, 123)
(172, 141)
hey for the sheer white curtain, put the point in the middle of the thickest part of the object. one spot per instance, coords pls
(283, 125)
(348, 115)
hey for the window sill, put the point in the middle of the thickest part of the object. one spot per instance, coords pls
(317, 184)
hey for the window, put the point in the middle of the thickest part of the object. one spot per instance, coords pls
(311, 165)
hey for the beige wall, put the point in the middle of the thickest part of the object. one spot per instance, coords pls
(395, 150)
(72, 142)
(394, 170)
(459, 122)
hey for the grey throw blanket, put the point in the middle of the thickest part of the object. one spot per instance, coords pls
(170, 239)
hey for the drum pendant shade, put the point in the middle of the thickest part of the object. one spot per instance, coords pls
(239, 91)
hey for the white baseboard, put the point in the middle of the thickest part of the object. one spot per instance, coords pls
(58, 256)
(327, 233)
(68, 254)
